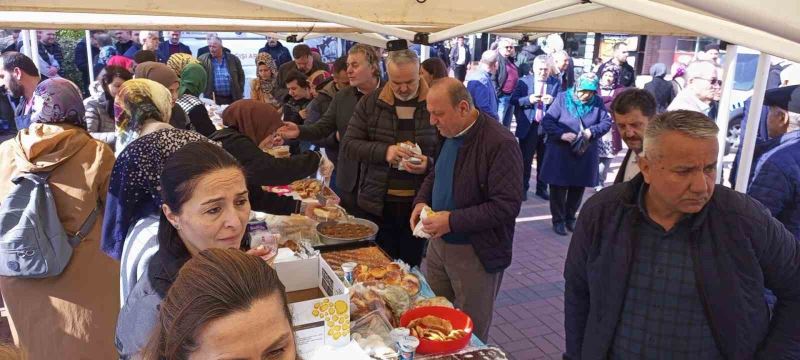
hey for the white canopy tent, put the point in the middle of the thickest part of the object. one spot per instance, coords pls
(770, 26)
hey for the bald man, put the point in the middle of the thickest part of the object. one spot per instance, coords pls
(473, 228)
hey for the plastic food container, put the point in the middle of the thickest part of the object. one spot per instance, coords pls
(459, 319)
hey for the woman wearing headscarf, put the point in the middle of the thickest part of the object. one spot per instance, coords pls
(261, 88)
(661, 89)
(573, 123)
(100, 108)
(73, 314)
(133, 204)
(141, 107)
(163, 75)
(121, 61)
(193, 83)
(178, 61)
(251, 127)
(611, 143)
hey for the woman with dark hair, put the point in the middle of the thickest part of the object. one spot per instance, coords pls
(251, 129)
(574, 123)
(192, 84)
(100, 108)
(432, 69)
(221, 302)
(133, 204)
(205, 206)
(71, 315)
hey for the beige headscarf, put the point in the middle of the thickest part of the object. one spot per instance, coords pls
(178, 61)
(139, 101)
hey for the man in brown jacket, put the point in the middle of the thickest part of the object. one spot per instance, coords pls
(390, 173)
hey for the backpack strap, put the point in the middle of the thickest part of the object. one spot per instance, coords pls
(87, 226)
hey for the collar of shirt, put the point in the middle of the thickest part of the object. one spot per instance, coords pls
(464, 132)
(218, 62)
(685, 220)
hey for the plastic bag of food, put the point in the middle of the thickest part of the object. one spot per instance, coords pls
(364, 300)
(295, 227)
(371, 332)
(414, 148)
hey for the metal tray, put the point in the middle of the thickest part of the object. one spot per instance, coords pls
(327, 240)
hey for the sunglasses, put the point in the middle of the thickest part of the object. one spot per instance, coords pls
(711, 81)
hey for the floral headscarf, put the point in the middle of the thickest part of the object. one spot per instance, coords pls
(267, 85)
(138, 101)
(252, 118)
(105, 54)
(58, 100)
(614, 70)
(587, 81)
(178, 61)
(133, 190)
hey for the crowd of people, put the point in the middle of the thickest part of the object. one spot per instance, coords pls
(166, 269)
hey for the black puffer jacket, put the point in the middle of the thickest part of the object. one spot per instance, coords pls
(372, 130)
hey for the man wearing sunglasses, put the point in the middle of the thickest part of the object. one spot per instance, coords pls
(701, 86)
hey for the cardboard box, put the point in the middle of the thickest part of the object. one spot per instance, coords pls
(319, 302)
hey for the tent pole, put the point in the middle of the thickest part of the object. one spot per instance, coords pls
(753, 116)
(34, 42)
(424, 53)
(572, 10)
(708, 25)
(322, 15)
(724, 114)
(89, 57)
(26, 43)
(537, 8)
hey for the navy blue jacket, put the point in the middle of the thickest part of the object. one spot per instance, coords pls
(280, 54)
(131, 52)
(777, 182)
(524, 110)
(738, 249)
(560, 165)
(163, 51)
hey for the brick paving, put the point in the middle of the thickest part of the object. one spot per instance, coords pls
(529, 312)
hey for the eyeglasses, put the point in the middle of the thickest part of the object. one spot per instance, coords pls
(509, 47)
(711, 81)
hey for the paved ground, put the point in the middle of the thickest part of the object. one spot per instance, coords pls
(529, 312)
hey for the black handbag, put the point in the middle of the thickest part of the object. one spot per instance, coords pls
(579, 145)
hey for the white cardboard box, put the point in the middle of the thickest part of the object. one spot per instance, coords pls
(319, 303)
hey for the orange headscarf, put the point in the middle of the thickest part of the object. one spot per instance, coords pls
(252, 118)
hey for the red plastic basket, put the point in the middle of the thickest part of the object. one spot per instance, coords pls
(459, 319)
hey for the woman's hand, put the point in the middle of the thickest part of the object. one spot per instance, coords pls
(587, 134)
(569, 137)
(547, 99)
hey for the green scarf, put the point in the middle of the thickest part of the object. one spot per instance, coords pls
(193, 80)
(576, 108)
